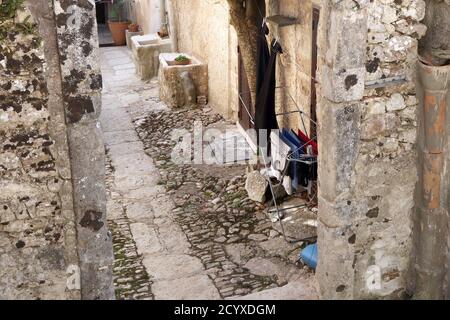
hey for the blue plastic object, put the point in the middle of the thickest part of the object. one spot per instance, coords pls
(309, 255)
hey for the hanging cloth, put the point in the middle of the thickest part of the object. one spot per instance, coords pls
(308, 142)
(262, 56)
(265, 117)
(293, 144)
(279, 151)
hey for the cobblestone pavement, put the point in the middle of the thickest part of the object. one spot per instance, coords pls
(183, 231)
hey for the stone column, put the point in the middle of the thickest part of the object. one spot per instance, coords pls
(342, 70)
(81, 85)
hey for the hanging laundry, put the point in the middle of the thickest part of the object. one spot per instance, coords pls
(271, 173)
(262, 56)
(287, 185)
(293, 144)
(279, 151)
(308, 142)
(265, 117)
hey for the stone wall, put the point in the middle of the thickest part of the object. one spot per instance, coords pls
(294, 65)
(368, 167)
(147, 15)
(53, 236)
(205, 32)
(37, 232)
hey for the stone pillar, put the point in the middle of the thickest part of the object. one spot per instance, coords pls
(368, 133)
(38, 243)
(81, 85)
(342, 63)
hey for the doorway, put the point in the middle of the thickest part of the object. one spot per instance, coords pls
(101, 11)
(246, 112)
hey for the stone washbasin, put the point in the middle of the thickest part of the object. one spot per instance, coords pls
(182, 85)
(145, 51)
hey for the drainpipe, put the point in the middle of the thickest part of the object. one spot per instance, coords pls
(172, 25)
(431, 226)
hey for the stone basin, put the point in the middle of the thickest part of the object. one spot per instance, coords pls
(130, 34)
(182, 85)
(145, 51)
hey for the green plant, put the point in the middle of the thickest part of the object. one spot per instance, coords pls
(117, 11)
(8, 12)
(181, 57)
(8, 9)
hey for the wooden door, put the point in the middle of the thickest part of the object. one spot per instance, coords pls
(313, 112)
(246, 111)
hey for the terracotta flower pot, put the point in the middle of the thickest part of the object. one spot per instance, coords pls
(118, 32)
(180, 63)
(133, 27)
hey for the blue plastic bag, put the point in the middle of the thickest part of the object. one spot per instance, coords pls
(309, 255)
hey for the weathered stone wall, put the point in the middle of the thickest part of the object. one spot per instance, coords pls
(294, 65)
(368, 133)
(76, 29)
(437, 41)
(205, 32)
(53, 237)
(37, 231)
(147, 15)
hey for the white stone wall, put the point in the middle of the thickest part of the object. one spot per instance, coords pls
(205, 32)
(147, 13)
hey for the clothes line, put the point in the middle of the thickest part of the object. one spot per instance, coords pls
(298, 109)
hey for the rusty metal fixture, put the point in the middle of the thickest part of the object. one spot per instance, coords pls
(434, 118)
(431, 231)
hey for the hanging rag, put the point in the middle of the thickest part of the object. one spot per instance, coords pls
(287, 184)
(307, 172)
(308, 142)
(265, 117)
(279, 151)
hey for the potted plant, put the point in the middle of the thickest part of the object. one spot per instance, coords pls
(181, 60)
(133, 27)
(117, 22)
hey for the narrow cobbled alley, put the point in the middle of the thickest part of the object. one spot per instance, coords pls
(183, 231)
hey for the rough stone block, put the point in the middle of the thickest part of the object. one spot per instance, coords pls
(340, 138)
(343, 73)
(174, 86)
(335, 272)
(129, 35)
(146, 50)
(256, 186)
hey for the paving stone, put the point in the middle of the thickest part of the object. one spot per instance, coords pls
(170, 266)
(146, 238)
(198, 287)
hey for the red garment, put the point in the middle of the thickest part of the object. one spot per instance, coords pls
(308, 142)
